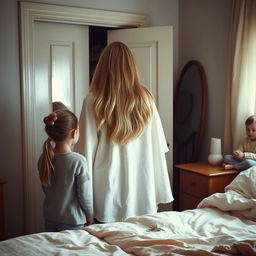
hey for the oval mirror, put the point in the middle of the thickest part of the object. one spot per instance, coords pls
(189, 113)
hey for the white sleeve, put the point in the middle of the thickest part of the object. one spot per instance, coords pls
(88, 140)
(163, 191)
(158, 132)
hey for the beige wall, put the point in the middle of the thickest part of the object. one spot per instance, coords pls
(161, 12)
(203, 36)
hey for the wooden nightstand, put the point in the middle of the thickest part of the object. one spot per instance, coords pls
(199, 180)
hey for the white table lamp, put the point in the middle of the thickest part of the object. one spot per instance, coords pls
(215, 156)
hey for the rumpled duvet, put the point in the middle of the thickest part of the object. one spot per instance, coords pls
(223, 224)
(239, 197)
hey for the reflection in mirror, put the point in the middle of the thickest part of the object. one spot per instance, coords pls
(189, 113)
(189, 119)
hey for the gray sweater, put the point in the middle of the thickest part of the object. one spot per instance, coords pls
(68, 199)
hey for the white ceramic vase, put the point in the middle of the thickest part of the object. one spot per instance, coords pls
(215, 159)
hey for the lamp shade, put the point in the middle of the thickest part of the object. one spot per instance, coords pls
(215, 147)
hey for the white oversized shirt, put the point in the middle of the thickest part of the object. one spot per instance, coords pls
(128, 180)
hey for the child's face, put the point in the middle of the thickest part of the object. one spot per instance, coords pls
(251, 131)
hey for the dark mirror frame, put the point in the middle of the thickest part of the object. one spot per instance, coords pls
(201, 128)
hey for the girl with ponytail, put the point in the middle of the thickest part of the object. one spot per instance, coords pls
(64, 175)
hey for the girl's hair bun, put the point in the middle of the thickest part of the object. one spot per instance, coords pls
(50, 119)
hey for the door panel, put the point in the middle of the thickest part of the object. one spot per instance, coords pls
(61, 68)
(152, 48)
(61, 74)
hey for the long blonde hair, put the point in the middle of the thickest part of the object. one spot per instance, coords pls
(121, 103)
(58, 124)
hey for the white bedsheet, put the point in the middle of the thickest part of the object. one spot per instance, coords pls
(75, 243)
(191, 232)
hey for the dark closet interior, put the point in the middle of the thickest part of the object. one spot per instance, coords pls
(97, 41)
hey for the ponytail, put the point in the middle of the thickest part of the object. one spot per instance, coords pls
(46, 168)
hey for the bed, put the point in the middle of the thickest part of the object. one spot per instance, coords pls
(223, 224)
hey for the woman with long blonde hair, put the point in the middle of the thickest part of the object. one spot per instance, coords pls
(122, 138)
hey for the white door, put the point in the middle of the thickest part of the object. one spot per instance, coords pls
(61, 74)
(153, 51)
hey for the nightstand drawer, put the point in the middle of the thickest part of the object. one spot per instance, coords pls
(188, 202)
(194, 184)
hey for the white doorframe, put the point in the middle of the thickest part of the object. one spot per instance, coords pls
(29, 13)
